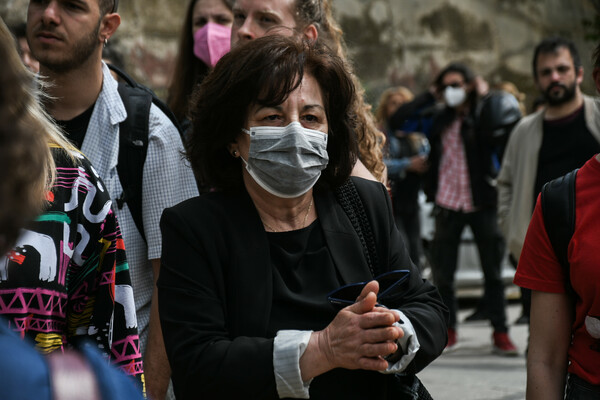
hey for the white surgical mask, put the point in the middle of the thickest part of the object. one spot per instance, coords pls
(286, 161)
(454, 96)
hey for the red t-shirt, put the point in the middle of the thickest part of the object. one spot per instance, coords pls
(540, 270)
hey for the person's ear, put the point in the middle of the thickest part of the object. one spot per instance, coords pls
(232, 148)
(596, 75)
(311, 32)
(109, 25)
(579, 77)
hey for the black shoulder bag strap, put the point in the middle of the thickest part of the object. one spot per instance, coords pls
(352, 205)
(348, 197)
(558, 209)
(133, 146)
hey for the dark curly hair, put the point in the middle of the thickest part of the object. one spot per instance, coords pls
(265, 71)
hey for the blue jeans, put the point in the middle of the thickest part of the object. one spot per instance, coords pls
(578, 389)
(449, 226)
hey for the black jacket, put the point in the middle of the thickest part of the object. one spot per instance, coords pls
(478, 151)
(215, 291)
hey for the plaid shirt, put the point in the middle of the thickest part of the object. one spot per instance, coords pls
(454, 188)
(167, 180)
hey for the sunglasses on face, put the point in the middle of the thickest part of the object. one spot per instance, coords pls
(452, 84)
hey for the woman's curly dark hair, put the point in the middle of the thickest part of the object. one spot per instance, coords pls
(265, 71)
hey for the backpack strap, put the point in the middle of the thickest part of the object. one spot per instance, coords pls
(558, 209)
(133, 141)
(133, 146)
(349, 199)
(129, 81)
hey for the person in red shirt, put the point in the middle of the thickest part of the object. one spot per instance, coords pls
(564, 345)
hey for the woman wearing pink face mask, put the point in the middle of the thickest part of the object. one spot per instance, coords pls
(205, 38)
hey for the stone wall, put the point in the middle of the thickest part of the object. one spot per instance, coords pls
(406, 42)
(390, 42)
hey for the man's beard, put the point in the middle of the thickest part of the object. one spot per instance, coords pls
(76, 56)
(568, 94)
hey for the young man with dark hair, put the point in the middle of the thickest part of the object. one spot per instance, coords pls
(67, 38)
(546, 144)
(459, 183)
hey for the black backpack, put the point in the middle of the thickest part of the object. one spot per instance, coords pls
(558, 209)
(133, 141)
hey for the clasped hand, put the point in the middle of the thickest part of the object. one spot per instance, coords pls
(359, 337)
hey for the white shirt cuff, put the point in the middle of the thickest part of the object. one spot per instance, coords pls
(288, 347)
(408, 346)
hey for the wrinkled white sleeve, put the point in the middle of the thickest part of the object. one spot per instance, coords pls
(288, 347)
(409, 345)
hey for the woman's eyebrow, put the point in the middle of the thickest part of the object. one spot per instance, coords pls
(311, 106)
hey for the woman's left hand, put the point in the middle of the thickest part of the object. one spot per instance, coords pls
(359, 337)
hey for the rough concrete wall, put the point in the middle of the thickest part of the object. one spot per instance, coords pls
(406, 42)
(147, 37)
(390, 42)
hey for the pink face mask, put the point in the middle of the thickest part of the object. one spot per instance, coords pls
(211, 42)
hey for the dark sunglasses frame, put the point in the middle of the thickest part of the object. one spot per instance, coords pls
(388, 284)
(453, 84)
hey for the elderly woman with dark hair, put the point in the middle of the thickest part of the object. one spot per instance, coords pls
(247, 268)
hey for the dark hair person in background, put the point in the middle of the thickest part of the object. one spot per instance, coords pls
(460, 183)
(246, 269)
(205, 37)
(405, 157)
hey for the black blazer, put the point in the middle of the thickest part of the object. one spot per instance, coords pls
(215, 289)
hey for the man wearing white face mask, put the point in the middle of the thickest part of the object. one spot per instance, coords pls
(460, 184)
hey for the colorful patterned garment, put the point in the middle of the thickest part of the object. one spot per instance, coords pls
(67, 278)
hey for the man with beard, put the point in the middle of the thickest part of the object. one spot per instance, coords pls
(546, 144)
(67, 37)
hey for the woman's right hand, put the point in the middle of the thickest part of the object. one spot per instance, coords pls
(359, 337)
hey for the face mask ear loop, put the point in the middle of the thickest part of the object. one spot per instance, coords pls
(245, 162)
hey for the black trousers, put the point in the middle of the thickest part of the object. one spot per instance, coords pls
(449, 226)
(409, 225)
(578, 389)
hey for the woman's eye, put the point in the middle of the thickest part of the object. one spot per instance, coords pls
(273, 117)
(223, 21)
(200, 22)
(311, 119)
